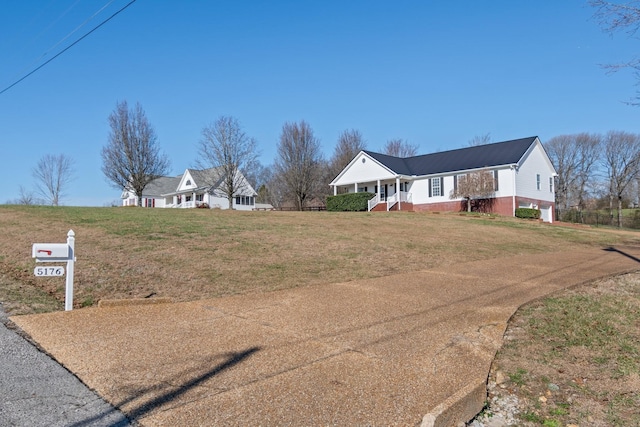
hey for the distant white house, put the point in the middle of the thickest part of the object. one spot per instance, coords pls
(522, 171)
(194, 188)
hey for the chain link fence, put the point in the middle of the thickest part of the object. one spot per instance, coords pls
(630, 218)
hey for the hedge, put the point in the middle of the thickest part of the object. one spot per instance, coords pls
(349, 202)
(528, 213)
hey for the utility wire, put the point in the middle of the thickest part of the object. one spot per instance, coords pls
(68, 47)
(35, 61)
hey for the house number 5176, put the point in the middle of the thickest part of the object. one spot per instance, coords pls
(49, 271)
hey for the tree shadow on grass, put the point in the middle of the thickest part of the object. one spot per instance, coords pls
(612, 249)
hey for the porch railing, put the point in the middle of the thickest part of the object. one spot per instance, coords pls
(401, 196)
(372, 202)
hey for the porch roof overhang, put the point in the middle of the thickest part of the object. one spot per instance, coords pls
(189, 191)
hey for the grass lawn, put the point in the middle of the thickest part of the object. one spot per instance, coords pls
(189, 254)
(573, 359)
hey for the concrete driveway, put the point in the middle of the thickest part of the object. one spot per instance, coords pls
(400, 350)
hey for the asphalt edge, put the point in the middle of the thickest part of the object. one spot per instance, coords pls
(460, 407)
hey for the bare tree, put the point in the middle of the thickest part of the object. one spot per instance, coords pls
(575, 158)
(473, 186)
(620, 16)
(400, 148)
(480, 140)
(349, 144)
(53, 173)
(563, 153)
(589, 151)
(298, 164)
(25, 197)
(622, 163)
(226, 147)
(132, 159)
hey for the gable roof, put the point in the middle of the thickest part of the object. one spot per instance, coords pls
(161, 185)
(476, 157)
(206, 177)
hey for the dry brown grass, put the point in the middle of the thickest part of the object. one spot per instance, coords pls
(194, 254)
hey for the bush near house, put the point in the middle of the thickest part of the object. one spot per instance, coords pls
(351, 202)
(528, 213)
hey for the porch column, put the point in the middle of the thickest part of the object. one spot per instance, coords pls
(378, 190)
(193, 198)
(398, 196)
(355, 187)
(175, 200)
(335, 190)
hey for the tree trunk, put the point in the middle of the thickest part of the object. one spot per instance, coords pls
(619, 211)
(469, 204)
(230, 198)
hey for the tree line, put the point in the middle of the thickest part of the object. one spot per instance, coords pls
(596, 171)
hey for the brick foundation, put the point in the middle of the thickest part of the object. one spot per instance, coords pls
(501, 206)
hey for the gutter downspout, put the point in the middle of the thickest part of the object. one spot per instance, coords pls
(398, 193)
(513, 195)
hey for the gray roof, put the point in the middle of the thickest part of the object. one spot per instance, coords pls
(207, 177)
(161, 185)
(476, 157)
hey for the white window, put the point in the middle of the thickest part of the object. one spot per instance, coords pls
(436, 187)
(245, 200)
(538, 181)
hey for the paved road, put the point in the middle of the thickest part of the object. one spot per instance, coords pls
(37, 391)
(385, 351)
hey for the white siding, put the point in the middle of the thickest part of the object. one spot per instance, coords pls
(420, 191)
(216, 202)
(187, 178)
(535, 163)
(420, 187)
(369, 171)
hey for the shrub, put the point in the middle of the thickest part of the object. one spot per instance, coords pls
(348, 202)
(528, 213)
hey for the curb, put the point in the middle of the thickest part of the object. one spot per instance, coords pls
(458, 408)
(132, 301)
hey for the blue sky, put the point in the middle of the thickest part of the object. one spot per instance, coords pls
(436, 73)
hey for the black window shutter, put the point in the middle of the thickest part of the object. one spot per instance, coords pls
(455, 183)
(430, 187)
(495, 180)
(442, 186)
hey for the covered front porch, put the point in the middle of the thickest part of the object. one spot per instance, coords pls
(186, 200)
(389, 195)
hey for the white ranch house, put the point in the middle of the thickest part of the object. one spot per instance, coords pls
(190, 190)
(523, 178)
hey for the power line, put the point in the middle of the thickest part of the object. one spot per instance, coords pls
(67, 48)
(38, 59)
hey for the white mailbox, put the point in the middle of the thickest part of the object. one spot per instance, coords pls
(58, 252)
(51, 252)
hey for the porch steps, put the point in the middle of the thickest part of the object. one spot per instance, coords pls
(382, 207)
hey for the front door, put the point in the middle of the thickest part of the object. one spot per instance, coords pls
(383, 192)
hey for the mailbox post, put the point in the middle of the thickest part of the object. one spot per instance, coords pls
(58, 252)
(68, 294)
